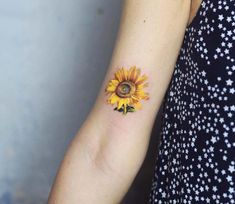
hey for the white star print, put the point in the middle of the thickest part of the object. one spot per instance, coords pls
(229, 82)
(195, 156)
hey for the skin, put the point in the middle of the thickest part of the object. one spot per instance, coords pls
(106, 154)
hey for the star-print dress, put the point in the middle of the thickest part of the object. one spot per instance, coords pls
(195, 161)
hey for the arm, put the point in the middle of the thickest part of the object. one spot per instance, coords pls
(108, 151)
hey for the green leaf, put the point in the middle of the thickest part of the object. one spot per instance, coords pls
(130, 109)
(119, 110)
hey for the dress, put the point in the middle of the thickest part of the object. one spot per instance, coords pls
(195, 161)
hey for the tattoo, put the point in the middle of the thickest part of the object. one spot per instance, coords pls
(126, 90)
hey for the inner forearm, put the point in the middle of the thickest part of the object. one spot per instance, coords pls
(109, 149)
(84, 178)
(98, 173)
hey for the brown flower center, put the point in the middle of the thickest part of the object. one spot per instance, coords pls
(125, 89)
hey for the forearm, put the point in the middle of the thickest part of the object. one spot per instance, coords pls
(109, 149)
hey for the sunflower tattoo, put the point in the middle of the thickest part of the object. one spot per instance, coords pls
(127, 89)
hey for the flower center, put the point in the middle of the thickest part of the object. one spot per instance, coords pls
(125, 89)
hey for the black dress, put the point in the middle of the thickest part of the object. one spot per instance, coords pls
(195, 161)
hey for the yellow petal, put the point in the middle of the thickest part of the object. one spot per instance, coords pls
(135, 97)
(130, 102)
(141, 79)
(141, 86)
(142, 95)
(110, 88)
(111, 97)
(114, 99)
(118, 76)
(121, 74)
(132, 71)
(145, 96)
(135, 74)
(139, 92)
(137, 105)
(124, 74)
(112, 85)
(120, 103)
(114, 82)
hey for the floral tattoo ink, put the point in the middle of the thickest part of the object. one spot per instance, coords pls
(126, 90)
